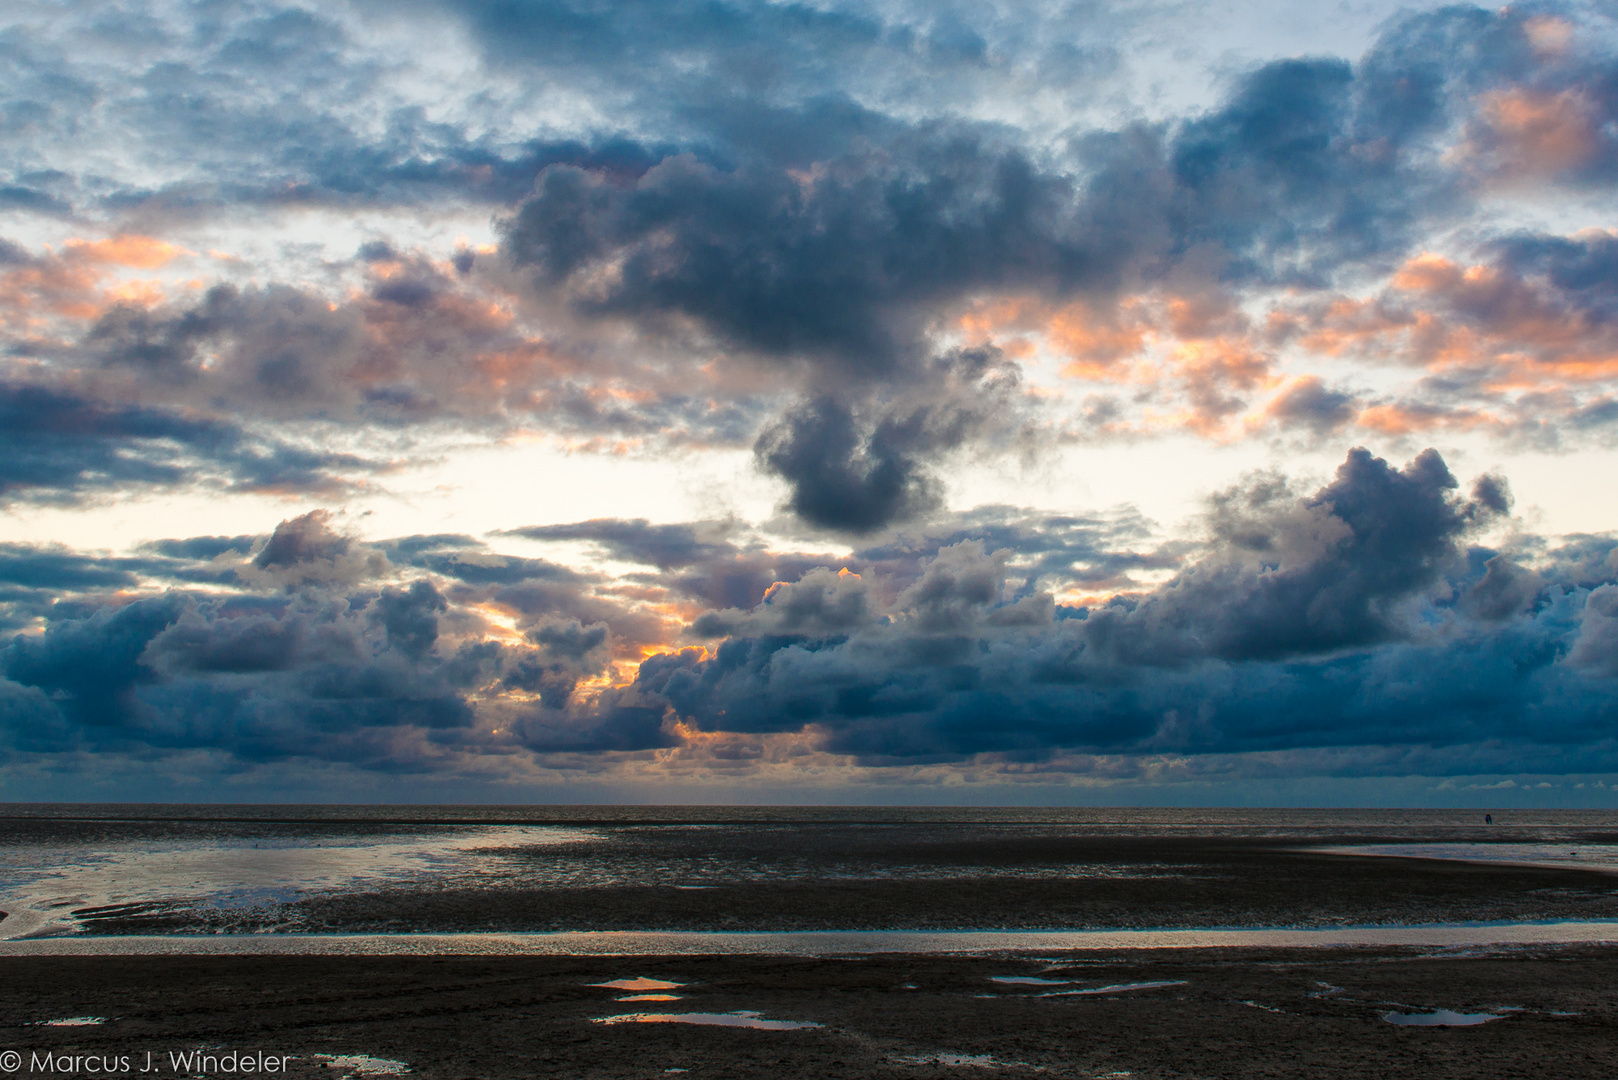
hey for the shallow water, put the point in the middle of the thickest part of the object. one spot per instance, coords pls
(720, 943)
(731, 1019)
(66, 870)
(1117, 988)
(638, 983)
(45, 889)
(1439, 1018)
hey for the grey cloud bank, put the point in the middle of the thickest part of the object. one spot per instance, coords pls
(1358, 620)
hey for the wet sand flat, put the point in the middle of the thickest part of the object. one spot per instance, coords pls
(997, 882)
(1183, 1013)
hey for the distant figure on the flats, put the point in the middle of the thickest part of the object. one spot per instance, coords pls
(1488, 819)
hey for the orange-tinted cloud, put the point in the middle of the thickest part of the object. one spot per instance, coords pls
(1192, 353)
(1516, 330)
(1522, 133)
(80, 281)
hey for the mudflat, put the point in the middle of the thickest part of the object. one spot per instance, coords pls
(1201, 1013)
(850, 881)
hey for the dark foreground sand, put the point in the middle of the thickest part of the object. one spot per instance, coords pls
(1239, 1013)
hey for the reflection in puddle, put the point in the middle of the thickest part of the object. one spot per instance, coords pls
(74, 1021)
(1115, 989)
(731, 1019)
(51, 890)
(1028, 980)
(638, 984)
(1439, 1018)
(981, 1061)
(648, 997)
(364, 1064)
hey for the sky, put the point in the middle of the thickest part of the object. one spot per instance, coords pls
(699, 401)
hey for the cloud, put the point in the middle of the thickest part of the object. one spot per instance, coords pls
(1360, 618)
(785, 261)
(410, 617)
(858, 472)
(1347, 616)
(868, 244)
(59, 446)
(667, 547)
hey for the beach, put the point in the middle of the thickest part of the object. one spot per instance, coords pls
(1222, 1013)
(779, 942)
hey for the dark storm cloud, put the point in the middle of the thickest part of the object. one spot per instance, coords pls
(860, 470)
(832, 266)
(410, 617)
(314, 678)
(844, 478)
(1353, 615)
(1307, 166)
(92, 666)
(327, 668)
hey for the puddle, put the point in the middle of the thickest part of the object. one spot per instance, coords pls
(1326, 990)
(1028, 980)
(363, 1064)
(1117, 988)
(74, 1021)
(649, 997)
(638, 984)
(731, 1019)
(1440, 1018)
(981, 1061)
